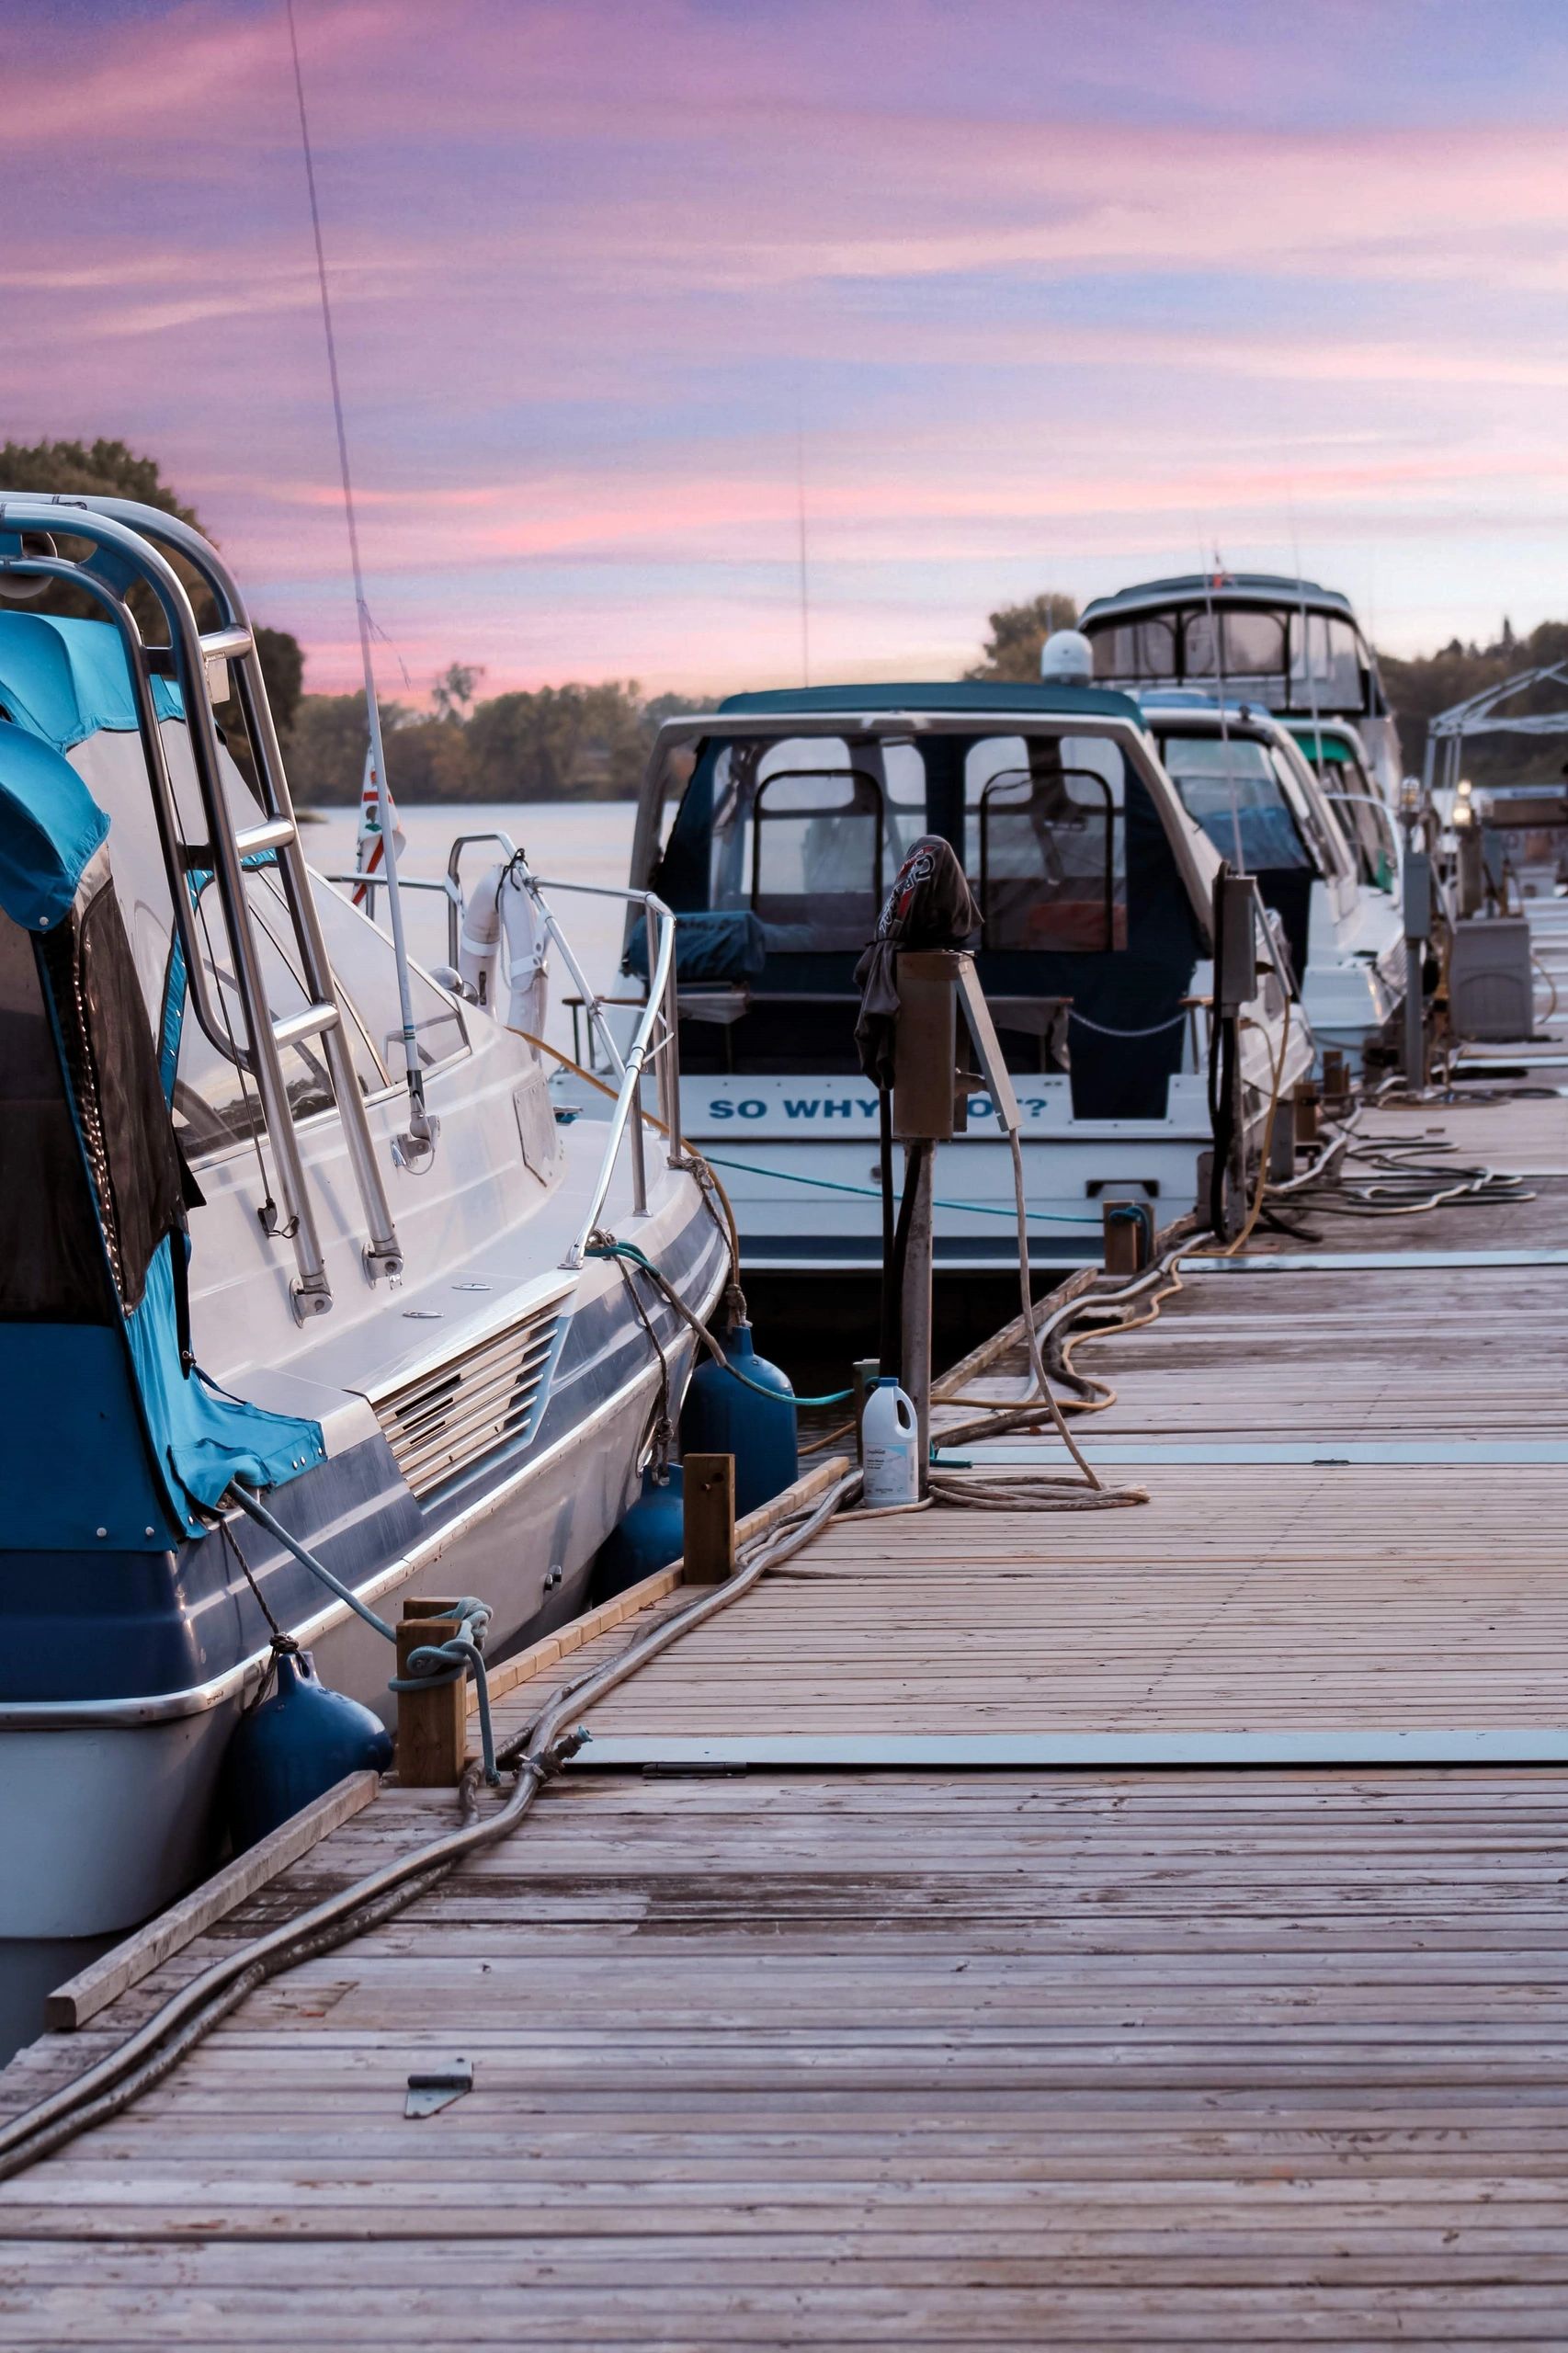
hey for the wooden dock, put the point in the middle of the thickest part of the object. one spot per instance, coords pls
(996, 1929)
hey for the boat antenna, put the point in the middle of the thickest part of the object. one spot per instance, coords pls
(801, 507)
(1318, 759)
(1211, 573)
(416, 1147)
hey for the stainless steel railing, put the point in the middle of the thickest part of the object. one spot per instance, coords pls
(131, 543)
(654, 1047)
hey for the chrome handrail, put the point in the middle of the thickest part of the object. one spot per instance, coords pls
(129, 543)
(655, 1042)
(371, 883)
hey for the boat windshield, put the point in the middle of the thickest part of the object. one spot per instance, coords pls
(1286, 659)
(1362, 812)
(807, 832)
(782, 850)
(1045, 841)
(1236, 791)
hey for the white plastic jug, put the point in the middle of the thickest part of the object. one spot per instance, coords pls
(889, 1446)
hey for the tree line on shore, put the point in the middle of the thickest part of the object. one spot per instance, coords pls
(590, 741)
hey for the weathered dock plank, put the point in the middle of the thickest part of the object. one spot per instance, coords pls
(991, 2058)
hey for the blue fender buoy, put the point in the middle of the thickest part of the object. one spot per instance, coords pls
(649, 1537)
(293, 1747)
(723, 1416)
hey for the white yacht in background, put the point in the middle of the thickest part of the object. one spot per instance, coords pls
(774, 826)
(403, 1336)
(1247, 782)
(1290, 646)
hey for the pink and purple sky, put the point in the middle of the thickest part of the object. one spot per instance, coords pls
(1031, 292)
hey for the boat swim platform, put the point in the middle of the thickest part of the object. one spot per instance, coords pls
(1137, 1927)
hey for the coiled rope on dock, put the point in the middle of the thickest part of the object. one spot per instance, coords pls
(1037, 1490)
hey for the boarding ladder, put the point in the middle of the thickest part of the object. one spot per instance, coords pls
(130, 545)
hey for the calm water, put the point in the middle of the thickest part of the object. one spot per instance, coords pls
(571, 841)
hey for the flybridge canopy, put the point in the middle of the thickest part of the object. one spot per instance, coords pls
(1290, 644)
(1219, 588)
(964, 697)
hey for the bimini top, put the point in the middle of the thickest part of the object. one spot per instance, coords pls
(64, 680)
(1222, 588)
(961, 695)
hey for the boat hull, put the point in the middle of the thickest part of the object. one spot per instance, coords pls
(113, 1800)
(799, 1159)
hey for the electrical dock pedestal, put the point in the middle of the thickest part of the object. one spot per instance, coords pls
(1086, 1929)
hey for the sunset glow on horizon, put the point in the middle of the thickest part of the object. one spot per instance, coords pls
(1012, 297)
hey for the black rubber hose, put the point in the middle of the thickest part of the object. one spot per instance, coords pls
(889, 1335)
(893, 1278)
(1225, 1128)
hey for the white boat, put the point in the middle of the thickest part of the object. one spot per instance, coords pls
(1247, 779)
(774, 826)
(1256, 637)
(405, 1337)
(1339, 759)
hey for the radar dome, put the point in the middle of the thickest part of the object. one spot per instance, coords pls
(1067, 659)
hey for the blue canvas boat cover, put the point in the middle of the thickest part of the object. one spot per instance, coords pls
(90, 1358)
(64, 680)
(49, 827)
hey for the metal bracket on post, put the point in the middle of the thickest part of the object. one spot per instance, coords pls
(1417, 931)
(1237, 911)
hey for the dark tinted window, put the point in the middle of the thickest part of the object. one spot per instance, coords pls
(1252, 646)
(1233, 791)
(50, 1258)
(1137, 649)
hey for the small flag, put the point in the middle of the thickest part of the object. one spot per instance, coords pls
(370, 847)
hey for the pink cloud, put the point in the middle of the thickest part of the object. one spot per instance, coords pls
(588, 260)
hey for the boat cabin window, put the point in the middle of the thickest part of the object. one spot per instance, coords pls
(1290, 659)
(1086, 919)
(817, 855)
(1237, 796)
(1249, 645)
(1137, 649)
(1049, 855)
(1327, 664)
(807, 832)
(50, 1247)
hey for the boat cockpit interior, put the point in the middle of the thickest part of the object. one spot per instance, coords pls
(781, 849)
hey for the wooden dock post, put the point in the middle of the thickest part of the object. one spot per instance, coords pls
(1128, 1236)
(432, 1726)
(708, 1488)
